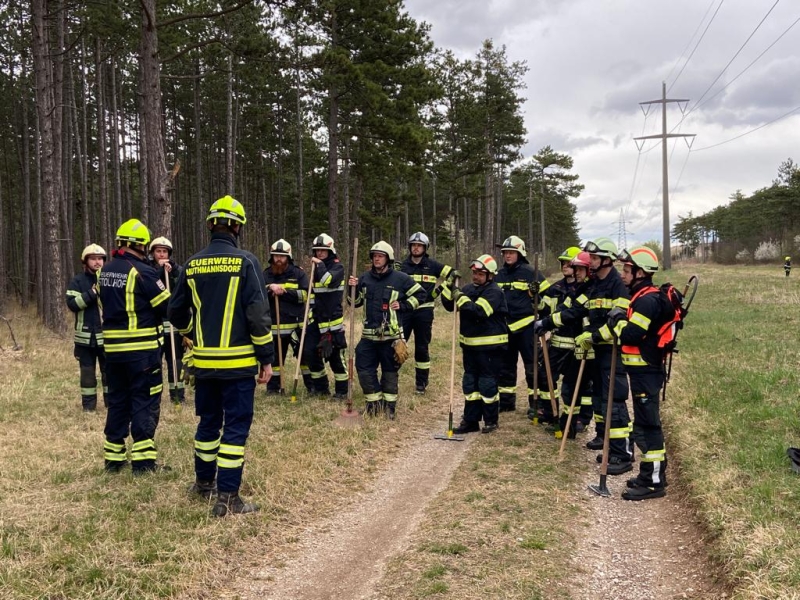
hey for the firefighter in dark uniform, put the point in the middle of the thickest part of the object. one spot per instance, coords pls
(221, 300)
(561, 345)
(325, 335)
(425, 271)
(787, 265)
(483, 338)
(519, 282)
(568, 321)
(134, 302)
(82, 300)
(607, 292)
(287, 286)
(641, 329)
(168, 272)
(383, 291)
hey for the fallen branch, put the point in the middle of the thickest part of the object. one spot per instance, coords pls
(16, 346)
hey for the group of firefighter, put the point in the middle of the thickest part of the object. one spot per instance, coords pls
(232, 325)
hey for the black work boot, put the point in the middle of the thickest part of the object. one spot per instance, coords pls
(371, 409)
(467, 427)
(644, 493)
(595, 444)
(204, 488)
(618, 466)
(89, 403)
(489, 427)
(231, 503)
(389, 409)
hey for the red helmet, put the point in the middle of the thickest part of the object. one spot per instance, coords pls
(582, 260)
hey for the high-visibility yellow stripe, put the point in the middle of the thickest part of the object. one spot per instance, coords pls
(516, 325)
(472, 396)
(484, 304)
(156, 389)
(159, 299)
(654, 455)
(113, 334)
(483, 341)
(212, 445)
(227, 314)
(130, 299)
(198, 329)
(211, 351)
(132, 347)
(640, 320)
(222, 363)
(262, 340)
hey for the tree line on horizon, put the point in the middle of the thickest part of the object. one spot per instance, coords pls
(318, 115)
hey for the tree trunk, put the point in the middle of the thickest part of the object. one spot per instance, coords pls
(198, 158)
(158, 178)
(50, 175)
(333, 146)
(229, 182)
(27, 249)
(102, 160)
(119, 213)
(299, 128)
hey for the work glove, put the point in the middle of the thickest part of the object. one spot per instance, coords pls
(533, 287)
(616, 315)
(539, 328)
(584, 340)
(400, 351)
(453, 276)
(188, 367)
(188, 344)
(457, 293)
(325, 346)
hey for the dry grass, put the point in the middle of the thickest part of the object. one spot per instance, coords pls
(70, 531)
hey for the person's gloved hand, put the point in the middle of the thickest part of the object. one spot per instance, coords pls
(453, 276)
(457, 293)
(400, 351)
(188, 367)
(533, 287)
(325, 346)
(616, 315)
(539, 327)
(584, 340)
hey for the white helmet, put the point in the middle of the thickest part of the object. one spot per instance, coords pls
(281, 248)
(323, 242)
(419, 238)
(163, 242)
(92, 249)
(383, 248)
(514, 243)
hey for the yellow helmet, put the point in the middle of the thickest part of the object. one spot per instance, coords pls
(640, 257)
(227, 209)
(485, 262)
(132, 231)
(92, 250)
(383, 248)
(161, 241)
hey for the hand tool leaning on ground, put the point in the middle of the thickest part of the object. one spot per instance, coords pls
(602, 489)
(350, 417)
(454, 344)
(172, 347)
(302, 335)
(572, 404)
(535, 406)
(686, 304)
(280, 343)
(551, 385)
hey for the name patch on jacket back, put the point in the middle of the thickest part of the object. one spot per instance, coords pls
(214, 264)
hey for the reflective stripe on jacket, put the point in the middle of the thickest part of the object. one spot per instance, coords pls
(83, 302)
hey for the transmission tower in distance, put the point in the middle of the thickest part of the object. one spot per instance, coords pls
(622, 232)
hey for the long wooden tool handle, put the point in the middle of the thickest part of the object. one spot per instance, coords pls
(280, 343)
(572, 404)
(303, 335)
(352, 330)
(172, 342)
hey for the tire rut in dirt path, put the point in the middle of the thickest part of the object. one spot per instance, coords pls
(649, 550)
(344, 556)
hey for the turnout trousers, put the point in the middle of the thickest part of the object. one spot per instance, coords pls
(583, 404)
(134, 388)
(520, 344)
(174, 379)
(290, 339)
(337, 361)
(89, 358)
(371, 355)
(420, 323)
(560, 358)
(479, 384)
(224, 405)
(620, 418)
(647, 433)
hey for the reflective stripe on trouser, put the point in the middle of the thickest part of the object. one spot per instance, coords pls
(176, 386)
(88, 357)
(371, 355)
(620, 419)
(419, 323)
(479, 385)
(520, 345)
(337, 361)
(218, 403)
(647, 432)
(131, 401)
(560, 359)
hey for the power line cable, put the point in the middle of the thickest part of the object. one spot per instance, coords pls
(697, 44)
(691, 39)
(783, 116)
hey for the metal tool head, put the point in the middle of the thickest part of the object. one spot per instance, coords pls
(449, 436)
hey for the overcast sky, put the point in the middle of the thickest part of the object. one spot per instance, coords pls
(591, 62)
